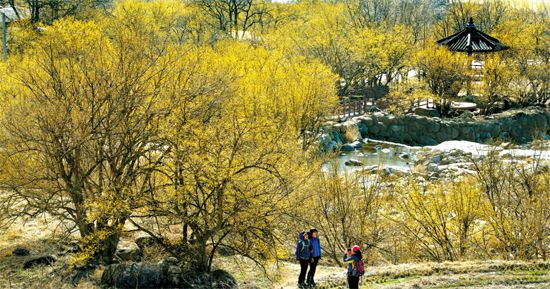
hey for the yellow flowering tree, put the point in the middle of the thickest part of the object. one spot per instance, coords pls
(241, 118)
(79, 134)
(443, 71)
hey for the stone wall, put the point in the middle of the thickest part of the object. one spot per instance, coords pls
(518, 126)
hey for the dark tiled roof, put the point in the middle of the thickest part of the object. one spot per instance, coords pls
(472, 40)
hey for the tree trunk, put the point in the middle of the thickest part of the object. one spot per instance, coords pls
(109, 247)
(200, 262)
(35, 11)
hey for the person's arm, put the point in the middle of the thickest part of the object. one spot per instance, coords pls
(350, 260)
(320, 248)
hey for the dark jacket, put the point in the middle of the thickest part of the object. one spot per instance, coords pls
(315, 247)
(303, 248)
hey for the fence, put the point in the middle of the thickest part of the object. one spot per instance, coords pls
(423, 103)
(356, 106)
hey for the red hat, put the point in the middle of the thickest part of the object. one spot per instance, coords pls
(355, 248)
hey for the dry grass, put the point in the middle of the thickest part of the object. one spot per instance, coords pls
(487, 274)
(36, 236)
(352, 134)
(461, 274)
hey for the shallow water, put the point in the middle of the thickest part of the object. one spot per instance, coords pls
(478, 149)
(378, 154)
(385, 155)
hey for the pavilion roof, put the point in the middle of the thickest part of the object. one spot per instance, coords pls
(471, 40)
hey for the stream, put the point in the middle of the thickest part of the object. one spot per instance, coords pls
(374, 154)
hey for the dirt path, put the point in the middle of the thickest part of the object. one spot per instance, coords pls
(323, 275)
(478, 275)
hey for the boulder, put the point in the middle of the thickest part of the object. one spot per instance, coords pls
(434, 127)
(222, 279)
(39, 261)
(353, 163)
(164, 274)
(426, 112)
(436, 159)
(467, 133)
(145, 242)
(495, 129)
(404, 156)
(368, 121)
(173, 273)
(170, 260)
(138, 275)
(371, 168)
(433, 170)
(336, 136)
(20, 251)
(383, 126)
(76, 272)
(331, 146)
(374, 129)
(357, 144)
(363, 129)
(454, 133)
(128, 251)
(347, 148)
(485, 136)
(378, 115)
(428, 141)
(397, 129)
(466, 115)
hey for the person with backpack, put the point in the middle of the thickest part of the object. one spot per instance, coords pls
(356, 267)
(315, 254)
(303, 255)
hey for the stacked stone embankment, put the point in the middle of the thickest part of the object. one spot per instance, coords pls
(518, 126)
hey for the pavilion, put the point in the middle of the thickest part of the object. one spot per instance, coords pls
(471, 40)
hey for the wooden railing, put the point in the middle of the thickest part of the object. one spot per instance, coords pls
(356, 106)
(423, 103)
(351, 106)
